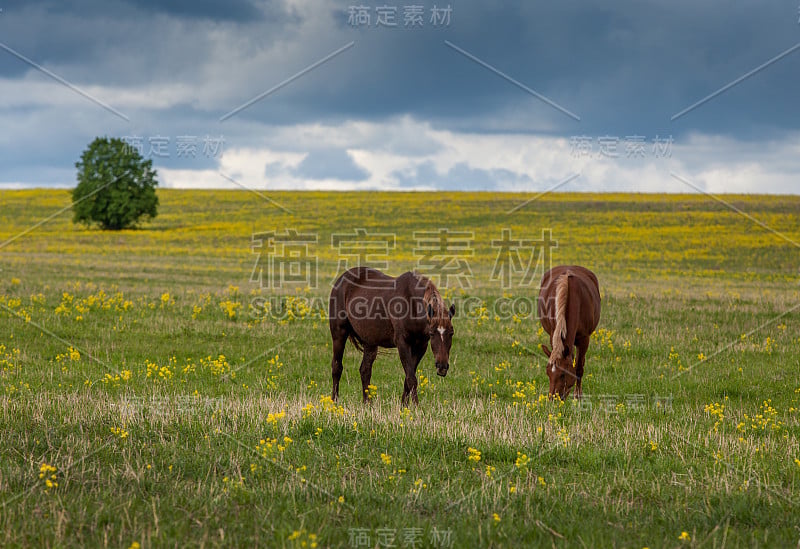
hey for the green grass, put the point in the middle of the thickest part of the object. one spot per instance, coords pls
(177, 458)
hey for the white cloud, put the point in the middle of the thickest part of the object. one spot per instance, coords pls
(532, 163)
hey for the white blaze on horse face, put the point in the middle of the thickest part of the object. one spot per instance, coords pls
(441, 332)
(554, 368)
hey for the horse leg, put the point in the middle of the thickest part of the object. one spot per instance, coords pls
(410, 358)
(410, 389)
(583, 344)
(370, 353)
(406, 358)
(339, 339)
(419, 352)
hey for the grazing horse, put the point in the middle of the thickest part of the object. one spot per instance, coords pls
(569, 310)
(375, 310)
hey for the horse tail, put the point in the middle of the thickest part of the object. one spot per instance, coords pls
(560, 332)
(356, 343)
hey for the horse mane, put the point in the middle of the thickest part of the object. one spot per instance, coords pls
(560, 332)
(432, 297)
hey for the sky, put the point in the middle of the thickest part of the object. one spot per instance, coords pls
(633, 95)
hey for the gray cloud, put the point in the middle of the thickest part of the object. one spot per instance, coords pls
(330, 164)
(460, 177)
(232, 10)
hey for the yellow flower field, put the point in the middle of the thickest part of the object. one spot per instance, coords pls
(171, 384)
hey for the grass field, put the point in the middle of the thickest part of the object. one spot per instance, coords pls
(146, 401)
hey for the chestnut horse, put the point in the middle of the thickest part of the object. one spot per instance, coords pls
(375, 310)
(569, 310)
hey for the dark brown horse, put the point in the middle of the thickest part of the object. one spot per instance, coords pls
(569, 310)
(375, 310)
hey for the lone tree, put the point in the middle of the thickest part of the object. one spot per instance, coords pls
(116, 186)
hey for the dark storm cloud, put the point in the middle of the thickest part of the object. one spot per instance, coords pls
(231, 10)
(624, 68)
(134, 42)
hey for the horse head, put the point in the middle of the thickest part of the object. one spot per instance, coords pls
(561, 371)
(440, 331)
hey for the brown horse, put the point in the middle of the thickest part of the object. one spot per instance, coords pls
(569, 310)
(375, 310)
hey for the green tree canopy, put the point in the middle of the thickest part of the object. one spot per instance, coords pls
(116, 186)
